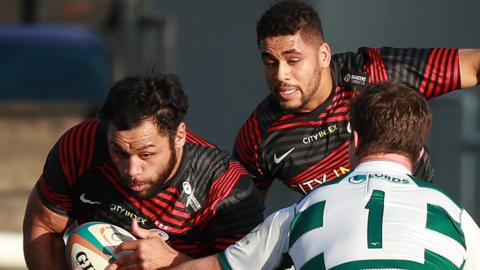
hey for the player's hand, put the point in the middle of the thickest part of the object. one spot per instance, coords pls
(141, 233)
(149, 252)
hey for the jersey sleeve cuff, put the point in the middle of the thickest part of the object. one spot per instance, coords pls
(223, 261)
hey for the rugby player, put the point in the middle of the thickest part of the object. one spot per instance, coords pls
(138, 161)
(300, 133)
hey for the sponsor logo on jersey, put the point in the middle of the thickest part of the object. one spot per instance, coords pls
(320, 134)
(279, 159)
(87, 201)
(311, 184)
(359, 79)
(191, 199)
(123, 211)
(389, 178)
(363, 177)
(357, 179)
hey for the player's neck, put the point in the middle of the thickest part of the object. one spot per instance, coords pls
(400, 159)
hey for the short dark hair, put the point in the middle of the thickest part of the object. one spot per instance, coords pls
(136, 98)
(287, 18)
(390, 117)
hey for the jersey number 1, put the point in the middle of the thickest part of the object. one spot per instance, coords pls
(375, 217)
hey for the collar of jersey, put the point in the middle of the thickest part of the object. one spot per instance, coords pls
(382, 166)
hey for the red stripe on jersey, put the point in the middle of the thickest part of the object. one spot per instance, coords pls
(68, 170)
(452, 71)
(82, 145)
(337, 119)
(177, 220)
(71, 153)
(456, 71)
(77, 144)
(193, 138)
(88, 145)
(435, 73)
(449, 72)
(178, 204)
(221, 243)
(289, 117)
(340, 105)
(159, 206)
(93, 134)
(63, 202)
(298, 124)
(219, 190)
(63, 162)
(339, 161)
(312, 171)
(311, 123)
(247, 143)
(427, 76)
(442, 79)
(73, 147)
(376, 67)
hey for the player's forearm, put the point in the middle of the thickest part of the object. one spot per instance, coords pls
(210, 262)
(469, 67)
(45, 252)
(43, 244)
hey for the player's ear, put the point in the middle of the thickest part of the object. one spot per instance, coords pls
(355, 140)
(180, 135)
(420, 155)
(353, 149)
(325, 55)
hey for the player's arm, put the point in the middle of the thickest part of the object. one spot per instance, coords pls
(245, 151)
(42, 232)
(469, 67)
(235, 211)
(263, 246)
(472, 241)
(211, 262)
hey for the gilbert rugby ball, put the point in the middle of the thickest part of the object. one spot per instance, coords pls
(91, 245)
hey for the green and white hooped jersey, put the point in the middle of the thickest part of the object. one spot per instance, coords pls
(370, 219)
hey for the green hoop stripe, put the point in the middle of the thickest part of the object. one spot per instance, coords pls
(308, 220)
(433, 261)
(440, 221)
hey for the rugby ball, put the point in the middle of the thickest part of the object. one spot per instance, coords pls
(91, 245)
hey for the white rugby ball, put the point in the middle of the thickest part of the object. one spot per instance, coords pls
(91, 245)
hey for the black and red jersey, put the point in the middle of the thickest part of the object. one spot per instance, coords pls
(304, 150)
(211, 202)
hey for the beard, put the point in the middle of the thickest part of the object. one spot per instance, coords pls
(308, 95)
(160, 183)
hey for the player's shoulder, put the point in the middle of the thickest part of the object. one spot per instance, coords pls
(324, 191)
(91, 124)
(84, 133)
(435, 191)
(204, 155)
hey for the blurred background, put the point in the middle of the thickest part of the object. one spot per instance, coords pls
(58, 58)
